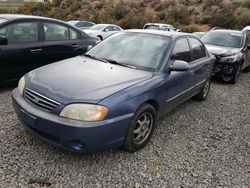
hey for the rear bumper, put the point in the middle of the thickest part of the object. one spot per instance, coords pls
(69, 134)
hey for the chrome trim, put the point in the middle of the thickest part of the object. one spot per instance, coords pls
(43, 96)
(187, 90)
(40, 100)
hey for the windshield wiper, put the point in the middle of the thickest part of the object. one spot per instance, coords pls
(96, 58)
(117, 63)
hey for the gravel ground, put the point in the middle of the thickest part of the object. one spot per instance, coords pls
(197, 145)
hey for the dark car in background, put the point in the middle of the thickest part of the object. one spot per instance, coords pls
(28, 42)
(231, 49)
(113, 95)
(81, 24)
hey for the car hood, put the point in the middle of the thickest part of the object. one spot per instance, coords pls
(81, 79)
(221, 50)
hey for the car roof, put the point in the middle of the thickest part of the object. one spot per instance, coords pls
(161, 24)
(107, 24)
(80, 21)
(159, 32)
(22, 16)
(227, 31)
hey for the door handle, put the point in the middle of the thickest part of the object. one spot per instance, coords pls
(36, 50)
(75, 45)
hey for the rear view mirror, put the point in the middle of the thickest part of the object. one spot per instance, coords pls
(3, 40)
(179, 65)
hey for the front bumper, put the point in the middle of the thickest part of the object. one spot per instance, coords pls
(70, 134)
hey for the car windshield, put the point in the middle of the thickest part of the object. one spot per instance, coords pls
(98, 27)
(2, 20)
(226, 39)
(143, 51)
(151, 26)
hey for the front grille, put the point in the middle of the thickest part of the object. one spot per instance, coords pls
(40, 100)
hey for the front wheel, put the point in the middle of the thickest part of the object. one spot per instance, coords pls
(141, 128)
(236, 74)
(204, 91)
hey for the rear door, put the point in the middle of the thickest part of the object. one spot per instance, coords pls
(23, 52)
(179, 84)
(62, 41)
(200, 63)
(246, 51)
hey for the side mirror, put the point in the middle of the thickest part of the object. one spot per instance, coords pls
(248, 46)
(3, 40)
(179, 65)
(106, 30)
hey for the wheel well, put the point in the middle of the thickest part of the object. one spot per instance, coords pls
(154, 104)
(100, 37)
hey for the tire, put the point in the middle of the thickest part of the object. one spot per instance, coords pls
(141, 128)
(236, 74)
(100, 37)
(204, 91)
(247, 69)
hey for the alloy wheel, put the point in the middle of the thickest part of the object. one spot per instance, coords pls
(143, 128)
(206, 88)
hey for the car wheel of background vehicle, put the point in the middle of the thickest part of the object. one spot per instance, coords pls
(247, 69)
(141, 128)
(236, 74)
(100, 37)
(204, 92)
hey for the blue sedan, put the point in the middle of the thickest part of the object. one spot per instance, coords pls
(113, 95)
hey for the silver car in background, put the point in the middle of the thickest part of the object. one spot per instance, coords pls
(160, 26)
(103, 31)
(81, 24)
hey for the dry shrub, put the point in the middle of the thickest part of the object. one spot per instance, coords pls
(195, 28)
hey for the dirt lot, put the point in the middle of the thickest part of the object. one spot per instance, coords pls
(197, 145)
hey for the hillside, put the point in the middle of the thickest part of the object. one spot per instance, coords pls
(189, 15)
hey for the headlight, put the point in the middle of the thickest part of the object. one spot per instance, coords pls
(84, 112)
(230, 59)
(21, 85)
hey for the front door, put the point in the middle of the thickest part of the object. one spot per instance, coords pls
(23, 51)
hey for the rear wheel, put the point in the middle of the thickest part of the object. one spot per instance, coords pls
(100, 37)
(204, 92)
(141, 128)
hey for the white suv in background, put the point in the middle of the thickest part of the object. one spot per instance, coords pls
(160, 26)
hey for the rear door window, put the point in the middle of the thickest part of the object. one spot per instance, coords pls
(73, 34)
(198, 49)
(56, 32)
(181, 50)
